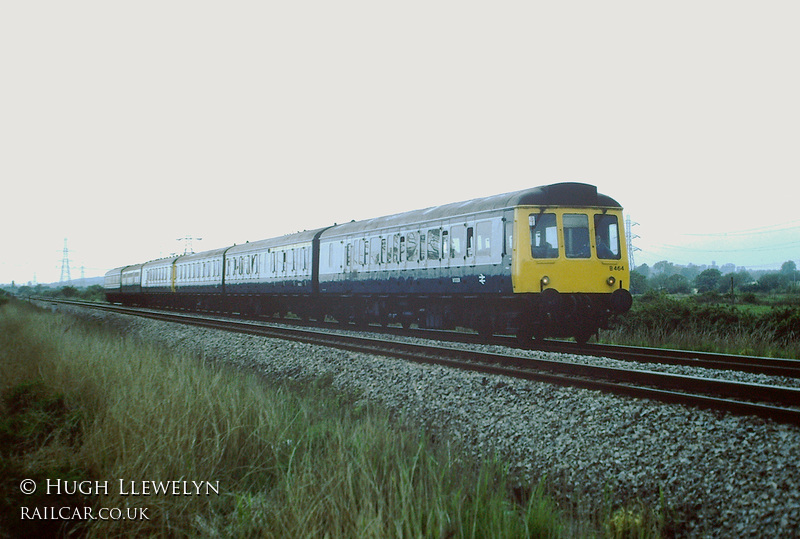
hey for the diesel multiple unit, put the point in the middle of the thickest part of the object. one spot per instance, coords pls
(546, 261)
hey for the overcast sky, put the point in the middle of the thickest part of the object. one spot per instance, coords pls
(124, 126)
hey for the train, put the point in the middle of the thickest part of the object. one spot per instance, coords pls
(548, 261)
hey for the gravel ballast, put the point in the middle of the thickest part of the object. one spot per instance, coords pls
(718, 475)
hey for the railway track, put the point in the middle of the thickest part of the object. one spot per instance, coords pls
(752, 364)
(777, 403)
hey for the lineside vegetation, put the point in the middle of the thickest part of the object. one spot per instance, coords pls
(704, 323)
(79, 403)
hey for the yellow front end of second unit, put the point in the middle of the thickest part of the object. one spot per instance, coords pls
(571, 250)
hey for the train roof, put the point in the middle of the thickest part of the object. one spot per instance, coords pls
(558, 194)
(202, 255)
(168, 260)
(289, 239)
(116, 271)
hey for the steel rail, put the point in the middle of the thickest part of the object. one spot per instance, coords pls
(737, 397)
(708, 360)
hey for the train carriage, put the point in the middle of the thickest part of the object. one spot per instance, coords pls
(570, 263)
(158, 281)
(198, 281)
(543, 261)
(273, 276)
(424, 266)
(131, 284)
(112, 285)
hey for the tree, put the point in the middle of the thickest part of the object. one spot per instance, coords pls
(708, 280)
(93, 293)
(658, 281)
(770, 282)
(690, 272)
(638, 282)
(742, 278)
(677, 284)
(643, 270)
(25, 291)
(664, 267)
(788, 267)
(69, 291)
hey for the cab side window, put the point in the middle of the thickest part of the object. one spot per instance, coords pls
(544, 235)
(606, 235)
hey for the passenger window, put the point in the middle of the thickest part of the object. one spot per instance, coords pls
(576, 235)
(384, 257)
(544, 235)
(396, 248)
(375, 250)
(484, 244)
(422, 248)
(470, 246)
(445, 244)
(458, 235)
(433, 243)
(402, 249)
(411, 247)
(606, 235)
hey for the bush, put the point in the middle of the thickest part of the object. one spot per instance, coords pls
(700, 323)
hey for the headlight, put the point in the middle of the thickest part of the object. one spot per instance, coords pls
(610, 281)
(545, 280)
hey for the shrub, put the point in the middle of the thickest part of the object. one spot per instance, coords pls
(699, 323)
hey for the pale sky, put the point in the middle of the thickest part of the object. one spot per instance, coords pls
(124, 126)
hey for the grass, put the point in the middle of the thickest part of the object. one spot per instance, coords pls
(80, 403)
(693, 324)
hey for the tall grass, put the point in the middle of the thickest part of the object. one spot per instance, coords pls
(83, 404)
(662, 321)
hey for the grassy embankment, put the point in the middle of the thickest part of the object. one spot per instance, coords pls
(80, 403)
(692, 324)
